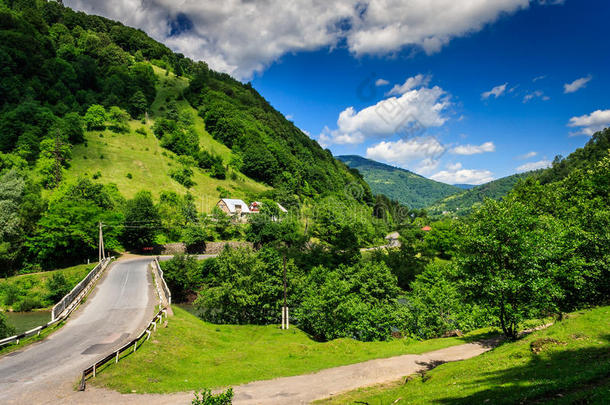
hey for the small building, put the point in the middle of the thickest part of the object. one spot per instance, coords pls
(233, 206)
(393, 239)
(426, 228)
(255, 207)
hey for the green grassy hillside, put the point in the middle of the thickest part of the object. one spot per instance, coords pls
(32, 291)
(568, 363)
(111, 157)
(463, 203)
(401, 185)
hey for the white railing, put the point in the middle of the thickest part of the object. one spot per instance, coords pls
(66, 305)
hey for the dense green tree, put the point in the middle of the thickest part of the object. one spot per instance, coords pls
(20, 208)
(119, 119)
(506, 258)
(141, 221)
(96, 117)
(407, 261)
(272, 227)
(67, 233)
(357, 302)
(246, 287)
(436, 305)
(138, 104)
(184, 275)
(72, 128)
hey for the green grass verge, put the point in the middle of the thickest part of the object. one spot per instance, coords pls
(34, 286)
(573, 367)
(191, 354)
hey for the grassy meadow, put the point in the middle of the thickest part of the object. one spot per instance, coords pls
(566, 363)
(191, 354)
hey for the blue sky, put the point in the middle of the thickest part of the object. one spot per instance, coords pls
(484, 89)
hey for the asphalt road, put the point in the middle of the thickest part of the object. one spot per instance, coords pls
(117, 310)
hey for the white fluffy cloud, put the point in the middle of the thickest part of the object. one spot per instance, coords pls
(409, 84)
(426, 150)
(527, 155)
(409, 114)
(381, 82)
(474, 149)
(496, 91)
(541, 164)
(242, 37)
(455, 174)
(590, 123)
(576, 84)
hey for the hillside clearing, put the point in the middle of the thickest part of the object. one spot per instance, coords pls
(136, 162)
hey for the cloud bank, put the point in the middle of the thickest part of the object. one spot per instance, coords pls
(411, 112)
(242, 37)
(590, 123)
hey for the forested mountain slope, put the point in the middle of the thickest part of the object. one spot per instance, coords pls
(463, 203)
(406, 187)
(94, 113)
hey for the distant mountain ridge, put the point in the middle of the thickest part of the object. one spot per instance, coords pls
(402, 185)
(465, 186)
(463, 203)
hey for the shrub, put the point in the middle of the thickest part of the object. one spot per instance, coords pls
(6, 329)
(358, 302)
(183, 176)
(207, 398)
(26, 304)
(58, 287)
(437, 306)
(194, 237)
(183, 275)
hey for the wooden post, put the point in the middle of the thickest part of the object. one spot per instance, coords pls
(285, 320)
(117, 357)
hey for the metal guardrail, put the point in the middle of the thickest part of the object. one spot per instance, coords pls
(166, 291)
(166, 301)
(64, 308)
(115, 355)
(78, 291)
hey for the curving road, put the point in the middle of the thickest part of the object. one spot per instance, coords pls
(118, 309)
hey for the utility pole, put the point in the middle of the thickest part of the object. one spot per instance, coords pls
(101, 252)
(285, 315)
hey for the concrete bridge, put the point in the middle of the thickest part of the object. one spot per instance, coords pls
(117, 309)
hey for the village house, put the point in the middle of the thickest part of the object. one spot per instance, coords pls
(231, 206)
(393, 239)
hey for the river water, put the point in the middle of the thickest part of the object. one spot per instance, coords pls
(24, 321)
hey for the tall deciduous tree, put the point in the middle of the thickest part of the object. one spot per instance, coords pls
(141, 221)
(506, 262)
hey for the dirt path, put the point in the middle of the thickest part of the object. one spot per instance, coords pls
(305, 388)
